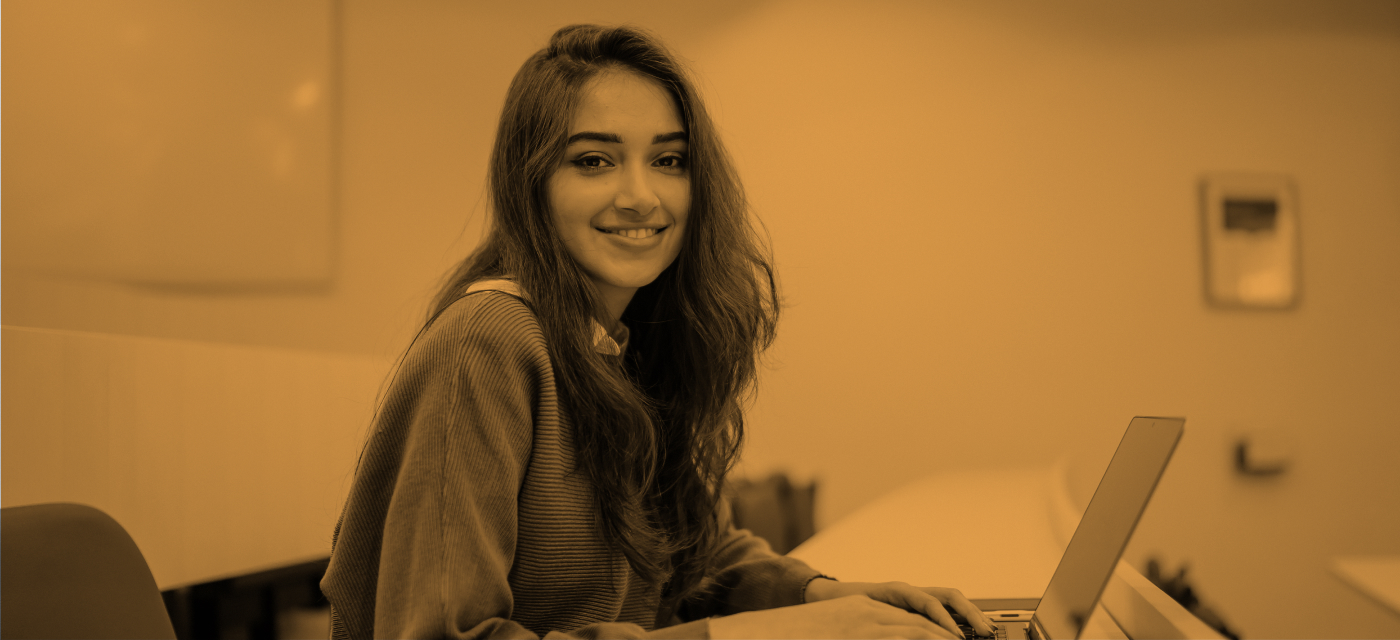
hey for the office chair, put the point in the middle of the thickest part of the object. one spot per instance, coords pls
(775, 509)
(70, 571)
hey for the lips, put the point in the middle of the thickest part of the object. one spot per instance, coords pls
(636, 234)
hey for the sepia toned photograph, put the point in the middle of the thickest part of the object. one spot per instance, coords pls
(331, 319)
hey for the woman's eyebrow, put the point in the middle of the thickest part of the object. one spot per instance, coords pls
(594, 135)
(667, 137)
(616, 139)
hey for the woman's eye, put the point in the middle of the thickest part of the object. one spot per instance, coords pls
(671, 162)
(592, 162)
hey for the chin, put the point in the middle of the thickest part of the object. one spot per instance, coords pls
(632, 281)
(627, 278)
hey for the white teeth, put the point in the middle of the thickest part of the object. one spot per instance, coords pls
(633, 233)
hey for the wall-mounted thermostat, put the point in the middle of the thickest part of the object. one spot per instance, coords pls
(1251, 240)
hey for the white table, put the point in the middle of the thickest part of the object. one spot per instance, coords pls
(993, 534)
(1376, 576)
(988, 535)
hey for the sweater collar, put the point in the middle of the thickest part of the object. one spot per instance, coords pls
(603, 342)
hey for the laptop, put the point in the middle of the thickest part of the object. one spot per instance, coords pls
(1098, 542)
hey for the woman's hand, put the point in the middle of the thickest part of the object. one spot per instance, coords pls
(853, 616)
(928, 601)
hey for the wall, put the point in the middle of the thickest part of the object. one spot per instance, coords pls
(219, 460)
(986, 219)
(420, 90)
(986, 224)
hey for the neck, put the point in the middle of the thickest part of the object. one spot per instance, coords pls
(615, 301)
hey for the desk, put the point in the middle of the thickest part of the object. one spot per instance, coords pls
(1376, 576)
(991, 534)
(920, 534)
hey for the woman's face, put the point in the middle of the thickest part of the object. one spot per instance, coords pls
(621, 194)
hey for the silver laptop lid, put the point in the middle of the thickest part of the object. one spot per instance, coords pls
(1107, 525)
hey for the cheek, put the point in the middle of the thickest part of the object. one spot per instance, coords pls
(678, 202)
(571, 207)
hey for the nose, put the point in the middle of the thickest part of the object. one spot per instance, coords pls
(635, 193)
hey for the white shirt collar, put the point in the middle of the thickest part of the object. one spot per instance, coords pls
(603, 342)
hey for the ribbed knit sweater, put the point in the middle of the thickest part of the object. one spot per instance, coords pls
(464, 519)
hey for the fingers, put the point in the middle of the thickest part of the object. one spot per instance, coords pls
(909, 633)
(960, 603)
(913, 625)
(907, 597)
(887, 616)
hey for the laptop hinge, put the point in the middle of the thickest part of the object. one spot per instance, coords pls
(1037, 632)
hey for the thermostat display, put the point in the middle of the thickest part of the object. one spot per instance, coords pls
(1251, 240)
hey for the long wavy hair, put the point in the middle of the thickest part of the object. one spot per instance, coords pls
(658, 430)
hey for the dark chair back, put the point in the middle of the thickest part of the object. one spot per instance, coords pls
(774, 509)
(70, 571)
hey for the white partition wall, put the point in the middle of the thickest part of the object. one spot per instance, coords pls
(219, 460)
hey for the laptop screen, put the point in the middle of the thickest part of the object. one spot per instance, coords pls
(1107, 525)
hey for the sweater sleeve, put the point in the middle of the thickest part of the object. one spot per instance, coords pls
(450, 530)
(747, 576)
(426, 541)
(428, 536)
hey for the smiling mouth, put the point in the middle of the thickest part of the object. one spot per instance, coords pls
(636, 234)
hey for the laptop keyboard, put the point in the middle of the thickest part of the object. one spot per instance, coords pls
(972, 633)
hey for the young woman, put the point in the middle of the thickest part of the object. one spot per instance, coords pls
(550, 454)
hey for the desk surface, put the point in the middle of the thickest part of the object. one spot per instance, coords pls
(1375, 576)
(986, 534)
(991, 534)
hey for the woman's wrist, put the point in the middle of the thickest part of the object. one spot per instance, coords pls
(817, 588)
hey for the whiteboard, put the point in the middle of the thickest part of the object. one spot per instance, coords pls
(170, 143)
